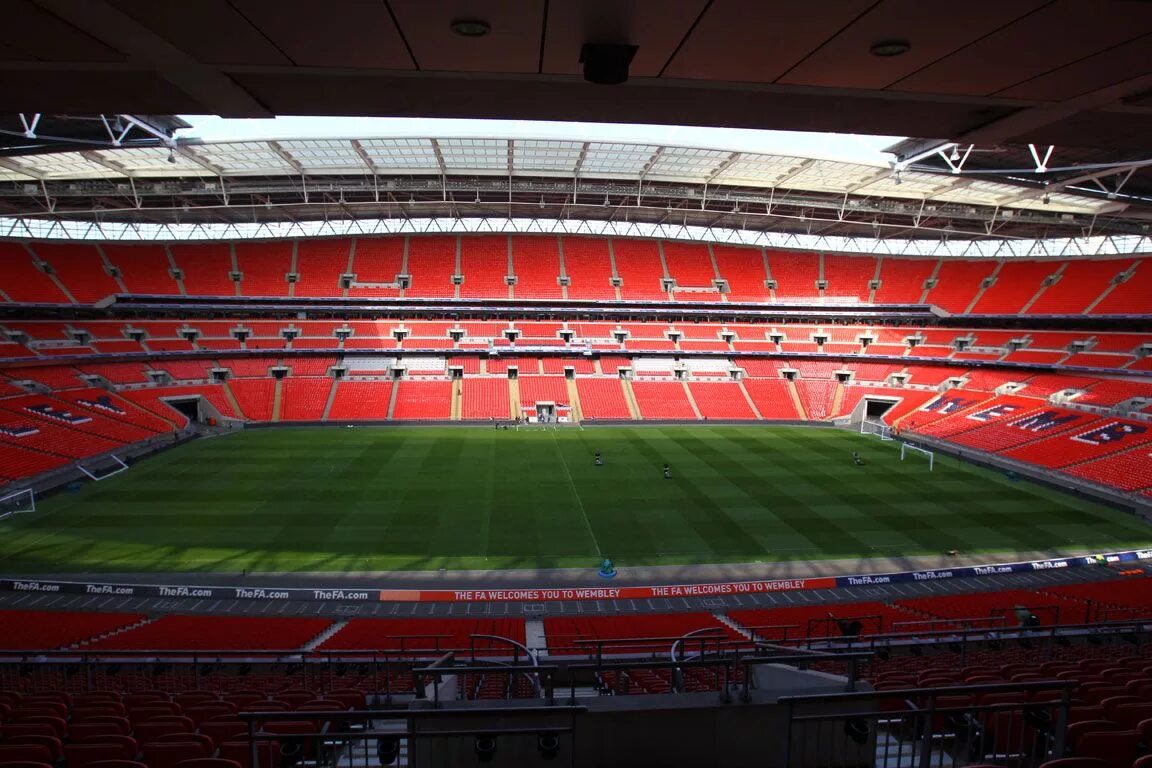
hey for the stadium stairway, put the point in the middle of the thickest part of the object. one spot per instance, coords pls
(630, 398)
(748, 398)
(692, 401)
(457, 399)
(118, 631)
(796, 402)
(331, 399)
(324, 636)
(392, 402)
(514, 398)
(534, 635)
(577, 414)
(277, 399)
(731, 624)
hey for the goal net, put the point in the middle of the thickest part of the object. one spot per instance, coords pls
(17, 503)
(113, 466)
(908, 448)
(878, 428)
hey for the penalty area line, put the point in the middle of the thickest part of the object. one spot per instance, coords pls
(579, 501)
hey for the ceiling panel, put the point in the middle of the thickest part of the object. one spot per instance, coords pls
(1052, 37)
(215, 32)
(45, 37)
(846, 60)
(1087, 75)
(751, 41)
(656, 27)
(333, 33)
(512, 45)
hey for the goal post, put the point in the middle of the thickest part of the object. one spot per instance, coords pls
(906, 448)
(17, 503)
(104, 472)
(878, 428)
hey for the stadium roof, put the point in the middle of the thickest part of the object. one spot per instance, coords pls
(1073, 74)
(322, 179)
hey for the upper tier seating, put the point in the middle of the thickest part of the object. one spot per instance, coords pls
(795, 275)
(690, 265)
(207, 268)
(1016, 283)
(484, 264)
(957, 284)
(1129, 297)
(536, 264)
(375, 262)
(320, 264)
(431, 263)
(639, 265)
(80, 267)
(1080, 283)
(902, 280)
(85, 273)
(743, 269)
(22, 281)
(264, 268)
(848, 277)
(588, 266)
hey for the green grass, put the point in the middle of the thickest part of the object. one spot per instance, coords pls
(425, 498)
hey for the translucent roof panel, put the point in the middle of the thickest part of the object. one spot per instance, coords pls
(401, 155)
(758, 170)
(152, 162)
(911, 185)
(478, 155)
(1062, 202)
(244, 158)
(10, 175)
(686, 164)
(976, 192)
(540, 156)
(325, 155)
(616, 160)
(63, 165)
(829, 176)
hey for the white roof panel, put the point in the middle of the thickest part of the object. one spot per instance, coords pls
(535, 157)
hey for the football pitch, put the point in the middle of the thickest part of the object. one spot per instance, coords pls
(416, 498)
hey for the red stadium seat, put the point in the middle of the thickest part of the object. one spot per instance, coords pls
(81, 755)
(169, 754)
(25, 752)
